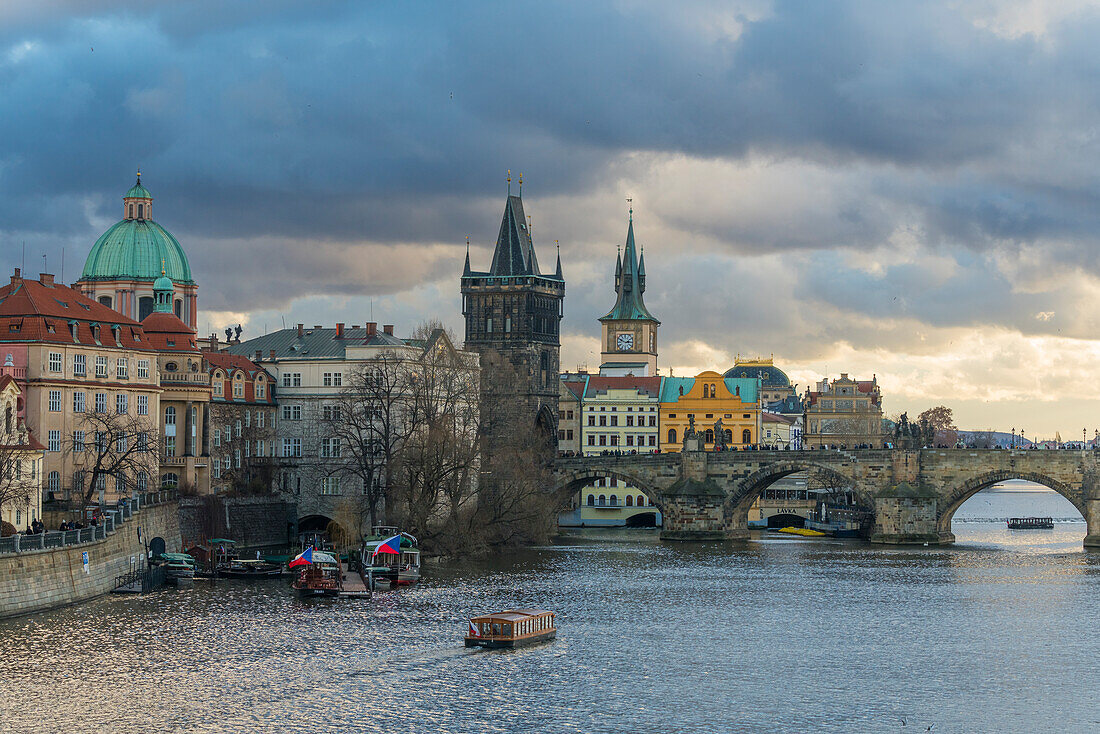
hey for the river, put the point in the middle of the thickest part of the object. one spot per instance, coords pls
(994, 634)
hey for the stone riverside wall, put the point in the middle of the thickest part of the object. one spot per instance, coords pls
(254, 522)
(33, 581)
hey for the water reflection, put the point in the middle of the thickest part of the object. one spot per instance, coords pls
(775, 634)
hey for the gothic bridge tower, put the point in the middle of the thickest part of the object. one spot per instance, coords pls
(513, 315)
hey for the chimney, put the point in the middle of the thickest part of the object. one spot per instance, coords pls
(372, 328)
(339, 331)
(259, 354)
(318, 326)
(17, 277)
(45, 278)
(301, 327)
(388, 328)
(271, 355)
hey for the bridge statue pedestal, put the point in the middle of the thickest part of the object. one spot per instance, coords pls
(1092, 514)
(693, 504)
(907, 515)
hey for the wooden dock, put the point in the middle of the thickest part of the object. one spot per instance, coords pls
(355, 587)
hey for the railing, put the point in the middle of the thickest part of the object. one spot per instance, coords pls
(110, 516)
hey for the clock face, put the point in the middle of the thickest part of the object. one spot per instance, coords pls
(624, 342)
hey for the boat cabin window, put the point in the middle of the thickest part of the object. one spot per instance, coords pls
(496, 628)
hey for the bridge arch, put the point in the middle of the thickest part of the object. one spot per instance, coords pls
(575, 480)
(745, 492)
(959, 495)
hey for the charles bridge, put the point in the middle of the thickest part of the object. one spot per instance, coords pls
(913, 493)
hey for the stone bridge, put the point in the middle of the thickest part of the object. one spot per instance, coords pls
(913, 493)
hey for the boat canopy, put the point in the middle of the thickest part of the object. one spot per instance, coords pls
(222, 541)
(512, 615)
(321, 557)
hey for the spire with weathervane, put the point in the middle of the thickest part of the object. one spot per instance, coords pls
(629, 329)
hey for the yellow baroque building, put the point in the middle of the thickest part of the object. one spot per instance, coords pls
(708, 398)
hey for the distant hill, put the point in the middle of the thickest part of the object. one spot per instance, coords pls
(999, 438)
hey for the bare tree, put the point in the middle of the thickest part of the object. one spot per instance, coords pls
(118, 445)
(941, 421)
(18, 482)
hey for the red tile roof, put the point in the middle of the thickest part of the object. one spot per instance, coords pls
(37, 311)
(600, 384)
(167, 333)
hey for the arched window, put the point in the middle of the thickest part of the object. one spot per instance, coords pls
(169, 481)
(179, 309)
(591, 500)
(170, 416)
(641, 500)
(141, 211)
(629, 501)
(131, 211)
(603, 501)
(709, 436)
(614, 500)
(672, 435)
(729, 435)
(746, 436)
(7, 419)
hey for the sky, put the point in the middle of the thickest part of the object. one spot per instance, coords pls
(898, 189)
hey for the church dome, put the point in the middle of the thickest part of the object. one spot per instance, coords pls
(772, 376)
(137, 248)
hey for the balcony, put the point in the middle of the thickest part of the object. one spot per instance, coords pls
(186, 378)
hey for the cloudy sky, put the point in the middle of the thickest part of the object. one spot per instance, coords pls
(909, 190)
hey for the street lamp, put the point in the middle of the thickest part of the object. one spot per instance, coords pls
(1012, 444)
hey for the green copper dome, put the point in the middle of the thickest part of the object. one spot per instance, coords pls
(134, 249)
(137, 191)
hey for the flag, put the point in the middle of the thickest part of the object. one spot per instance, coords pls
(304, 558)
(389, 545)
(474, 631)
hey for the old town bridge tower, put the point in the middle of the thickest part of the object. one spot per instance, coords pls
(513, 314)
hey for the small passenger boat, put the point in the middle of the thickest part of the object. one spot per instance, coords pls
(1030, 523)
(392, 557)
(319, 574)
(512, 628)
(179, 568)
(805, 532)
(241, 568)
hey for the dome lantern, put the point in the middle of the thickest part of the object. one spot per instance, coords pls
(163, 292)
(138, 202)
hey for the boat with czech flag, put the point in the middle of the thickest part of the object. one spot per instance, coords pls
(318, 573)
(512, 628)
(391, 557)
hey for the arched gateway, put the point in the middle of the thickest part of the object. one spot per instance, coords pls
(913, 493)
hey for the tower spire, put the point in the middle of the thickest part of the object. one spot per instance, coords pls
(557, 271)
(466, 269)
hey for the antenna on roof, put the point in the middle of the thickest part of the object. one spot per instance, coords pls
(63, 264)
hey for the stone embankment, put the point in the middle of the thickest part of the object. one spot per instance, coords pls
(253, 521)
(35, 579)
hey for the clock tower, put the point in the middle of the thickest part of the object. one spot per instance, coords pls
(629, 345)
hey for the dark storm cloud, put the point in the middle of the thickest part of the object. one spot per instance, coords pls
(312, 133)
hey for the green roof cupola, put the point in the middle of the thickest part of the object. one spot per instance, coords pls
(138, 202)
(163, 292)
(629, 283)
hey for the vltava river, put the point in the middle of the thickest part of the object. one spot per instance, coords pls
(996, 634)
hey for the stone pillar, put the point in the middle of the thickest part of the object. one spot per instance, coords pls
(1090, 490)
(693, 507)
(906, 515)
(189, 431)
(205, 408)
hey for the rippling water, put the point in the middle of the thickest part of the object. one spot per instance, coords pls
(995, 634)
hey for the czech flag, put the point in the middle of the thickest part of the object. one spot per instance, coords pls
(304, 558)
(474, 631)
(389, 545)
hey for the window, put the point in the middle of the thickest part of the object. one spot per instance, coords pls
(217, 385)
(591, 440)
(216, 470)
(55, 361)
(141, 211)
(170, 446)
(603, 440)
(261, 389)
(142, 441)
(78, 441)
(226, 461)
(614, 500)
(143, 405)
(746, 436)
(653, 440)
(80, 368)
(122, 368)
(330, 412)
(217, 438)
(142, 481)
(591, 500)
(641, 500)
(603, 420)
(614, 420)
(237, 458)
(238, 386)
(591, 420)
(652, 421)
(603, 501)
(330, 485)
(330, 448)
(292, 379)
(708, 436)
(292, 447)
(672, 435)
(630, 421)
(143, 368)
(630, 441)
(259, 448)
(55, 401)
(101, 402)
(54, 441)
(102, 441)
(238, 428)
(629, 501)
(489, 325)
(122, 403)
(292, 412)
(101, 367)
(53, 482)
(247, 418)
(260, 418)
(326, 379)
(170, 416)
(78, 402)
(121, 442)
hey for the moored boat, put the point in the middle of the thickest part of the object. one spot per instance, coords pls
(512, 628)
(1030, 523)
(179, 568)
(317, 574)
(240, 568)
(391, 557)
(804, 532)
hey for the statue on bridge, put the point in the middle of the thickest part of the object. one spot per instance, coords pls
(719, 436)
(690, 432)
